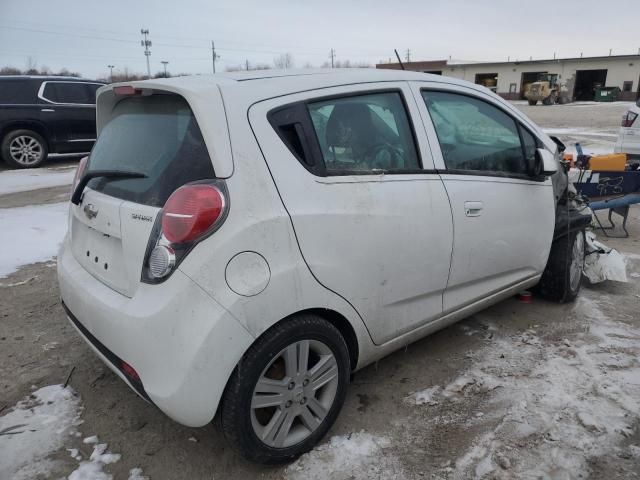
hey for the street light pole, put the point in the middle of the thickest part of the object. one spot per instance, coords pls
(111, 67)
(164, 62)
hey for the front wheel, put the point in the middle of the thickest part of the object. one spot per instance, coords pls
(561, 279)
(287, 390)
(24, 149)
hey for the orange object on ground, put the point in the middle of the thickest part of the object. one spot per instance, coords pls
(614, 162)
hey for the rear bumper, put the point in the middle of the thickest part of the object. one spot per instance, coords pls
(181, 342)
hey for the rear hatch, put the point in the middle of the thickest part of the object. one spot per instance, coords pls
(155, 135)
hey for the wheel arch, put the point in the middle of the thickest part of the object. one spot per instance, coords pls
(34, 125)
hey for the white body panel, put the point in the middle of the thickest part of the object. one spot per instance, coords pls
(382, 242)
(374, 250)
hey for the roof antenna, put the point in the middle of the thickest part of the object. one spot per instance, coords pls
(398, 57)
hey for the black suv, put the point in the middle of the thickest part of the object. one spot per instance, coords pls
(41, 115)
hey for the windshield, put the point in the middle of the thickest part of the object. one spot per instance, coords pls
(157, 136)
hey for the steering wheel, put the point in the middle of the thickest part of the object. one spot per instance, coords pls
(375, 150)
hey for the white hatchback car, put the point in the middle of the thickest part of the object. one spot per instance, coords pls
(629, 134)
(240, 244)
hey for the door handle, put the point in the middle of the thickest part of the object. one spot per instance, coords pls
(47, 110)
(473, 209)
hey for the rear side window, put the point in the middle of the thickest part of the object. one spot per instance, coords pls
(158, 136)
(70, 92)
(475, 135)
(364, 133)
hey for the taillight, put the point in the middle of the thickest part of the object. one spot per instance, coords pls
(190, 211)
(126, 90)
(628, 119)
(82, 166)
(189, 215)
(129, 371)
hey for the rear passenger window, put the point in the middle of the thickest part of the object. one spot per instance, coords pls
(364, 133)
(475, 135)
(68, 92)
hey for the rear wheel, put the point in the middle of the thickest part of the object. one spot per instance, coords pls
(550, 100)
(561, 279)
(24, 149)
(533, 102)
(287, 391)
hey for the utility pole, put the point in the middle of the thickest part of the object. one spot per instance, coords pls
(146, 43)
(408, 55)
(111, 67)
(332, 55)
(246, 63)
(214, 56)
(164, 63)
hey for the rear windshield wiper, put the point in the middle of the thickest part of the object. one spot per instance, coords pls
(77, 193)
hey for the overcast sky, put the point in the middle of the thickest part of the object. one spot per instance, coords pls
(86, 35)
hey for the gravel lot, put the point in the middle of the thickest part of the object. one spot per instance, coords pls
(534, 390)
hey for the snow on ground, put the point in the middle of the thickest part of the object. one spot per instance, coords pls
(92, 468)
(579, 131)
(42, 424)
(551, 405)
(36, 427)
(30, 234)
(12, 181)
(357, 456)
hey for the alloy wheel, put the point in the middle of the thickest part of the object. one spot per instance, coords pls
(577, 262)
(294, 393)
(25, 150)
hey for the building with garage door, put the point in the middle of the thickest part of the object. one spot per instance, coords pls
(510, 79)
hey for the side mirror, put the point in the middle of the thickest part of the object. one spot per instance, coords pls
(545, 163)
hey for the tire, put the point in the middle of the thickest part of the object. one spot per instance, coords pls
(24, 149)
(550, 100)
(286, 393)
(561, 279)
(533, 102)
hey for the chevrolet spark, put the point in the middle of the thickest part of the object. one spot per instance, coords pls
(239, 245)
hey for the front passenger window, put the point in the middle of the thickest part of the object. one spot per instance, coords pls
(475, 135)
(364, 133)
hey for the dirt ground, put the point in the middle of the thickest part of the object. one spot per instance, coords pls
(536, 390)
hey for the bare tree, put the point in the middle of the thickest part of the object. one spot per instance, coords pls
(32, 67)
(347, 64)
(284, 61)
(10, 71)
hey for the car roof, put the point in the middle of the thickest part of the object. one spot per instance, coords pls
(262, 84)
(47, 78)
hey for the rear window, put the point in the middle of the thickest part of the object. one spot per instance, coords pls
(156, 135)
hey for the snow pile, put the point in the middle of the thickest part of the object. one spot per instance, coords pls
(354, 456)
(603, 263)
(552, 404)
(36, 427)
(92, 469)
(39, 426)
(13, 181)
(31, 234)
